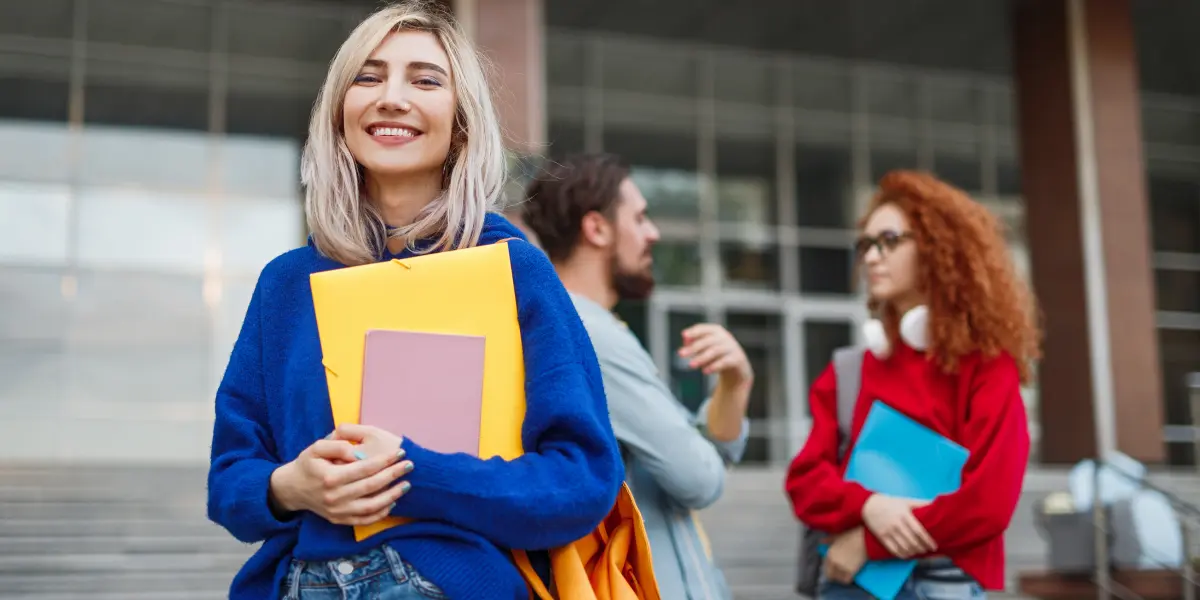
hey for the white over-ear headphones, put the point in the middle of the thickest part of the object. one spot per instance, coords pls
(914, 331)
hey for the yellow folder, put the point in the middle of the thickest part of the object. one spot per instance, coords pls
(468, 292)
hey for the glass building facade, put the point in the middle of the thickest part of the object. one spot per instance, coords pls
(756, 166)
(149, 155)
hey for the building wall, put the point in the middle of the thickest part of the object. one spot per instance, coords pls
(148, 168)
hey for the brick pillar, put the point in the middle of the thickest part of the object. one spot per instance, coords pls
(1087, 219)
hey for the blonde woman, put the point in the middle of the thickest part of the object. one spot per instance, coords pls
(404, 156)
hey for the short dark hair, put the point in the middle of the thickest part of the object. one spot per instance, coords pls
(558, 198)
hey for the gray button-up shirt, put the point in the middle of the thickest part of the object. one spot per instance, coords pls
(673, 466)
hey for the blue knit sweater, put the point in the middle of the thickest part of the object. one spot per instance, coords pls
(273, 403)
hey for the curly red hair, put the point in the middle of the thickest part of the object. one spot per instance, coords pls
(977, 302)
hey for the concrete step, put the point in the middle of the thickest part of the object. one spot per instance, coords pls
(91, 594)
(108, 510)
(133, 533)
(78, 526)
(116, 584)
(180, 563)
(160, 544)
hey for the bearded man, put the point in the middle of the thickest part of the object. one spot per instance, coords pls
(590, 218)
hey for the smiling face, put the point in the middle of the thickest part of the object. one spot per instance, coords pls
(398, 114)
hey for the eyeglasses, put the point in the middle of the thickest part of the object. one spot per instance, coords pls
(885, 242)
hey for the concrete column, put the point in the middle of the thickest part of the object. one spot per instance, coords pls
(511, 33)
(1087, 219)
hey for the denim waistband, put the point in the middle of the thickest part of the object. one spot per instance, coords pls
(347, 571)
(940, 569)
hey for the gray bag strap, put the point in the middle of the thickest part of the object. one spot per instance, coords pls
(847, 366)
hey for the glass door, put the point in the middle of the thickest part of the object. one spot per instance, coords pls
(814, 330)
(760, 333)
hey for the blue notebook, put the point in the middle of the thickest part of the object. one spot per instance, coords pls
(897, 456)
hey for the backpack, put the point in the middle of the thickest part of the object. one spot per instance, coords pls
(847, 366)
(611, 563)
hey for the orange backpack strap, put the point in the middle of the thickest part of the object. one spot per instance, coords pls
(537, 587)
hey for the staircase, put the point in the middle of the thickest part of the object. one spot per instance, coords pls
(127, 533)
(140, 533)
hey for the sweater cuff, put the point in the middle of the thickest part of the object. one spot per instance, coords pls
(875, 548)
(856, 497)
(429, 469)
(257, 481)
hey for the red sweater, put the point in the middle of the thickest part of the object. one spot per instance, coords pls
(980, 407)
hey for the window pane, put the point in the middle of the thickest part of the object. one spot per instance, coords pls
(147, 93)
(287, 33)
(826, 271)
(677, 263)
(34, 151)
(821, 338)
(565, 60)
(566, 138)
(138, 158)
(33, 382)
(32, 97)
(269, 114)
(649, 68)
(891, 95)
(664, 168)
(954, 101)
(228, 315)
(750, 266)
(34, 311)
(1179, 351)
(896, 156)
(761, 337)
(633, 313)
(1178, 290)
(43, 18)
(1008, 177)
(33, 222)
(263, 167)
(823, 186)
(744, 77)
(151, 23)
(1175, 214)
(959, 164)
(256, 230)
(123, 378)
(746, 181)
(689, 385)
(138, 310)
(139, 229)
(821, 86)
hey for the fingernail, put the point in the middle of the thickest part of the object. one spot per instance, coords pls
(330, 436)
(404, 487)
(407, 466)
(392, 507)
(401, 454)
(359, 455)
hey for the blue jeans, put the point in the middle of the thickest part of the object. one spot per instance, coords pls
(942, 583)
(378, 574)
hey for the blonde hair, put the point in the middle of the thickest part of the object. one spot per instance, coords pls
(345, 225)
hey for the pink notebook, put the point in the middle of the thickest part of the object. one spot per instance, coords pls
(426, 386)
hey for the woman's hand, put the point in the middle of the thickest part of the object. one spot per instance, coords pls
(846, 556)
(344, 484)
(892, 521)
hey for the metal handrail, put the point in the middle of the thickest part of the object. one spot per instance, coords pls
(1189, 516)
